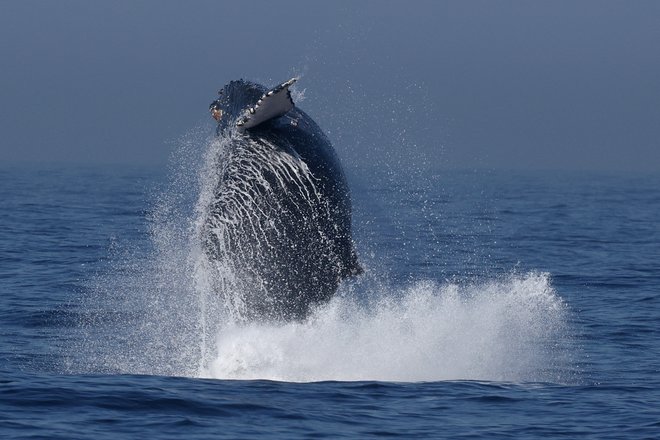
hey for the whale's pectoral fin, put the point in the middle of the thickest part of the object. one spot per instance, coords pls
(273, 104)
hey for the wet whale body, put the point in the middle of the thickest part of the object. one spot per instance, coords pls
(278, 225)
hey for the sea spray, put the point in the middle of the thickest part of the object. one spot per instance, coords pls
(160, 310)
(500, 330)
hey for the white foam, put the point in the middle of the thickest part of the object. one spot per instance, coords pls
(506, 329)
(501, 331)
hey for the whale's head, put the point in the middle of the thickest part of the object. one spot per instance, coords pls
(244, 104)
(232, 101)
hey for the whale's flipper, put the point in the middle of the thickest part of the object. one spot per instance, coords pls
(273, 104)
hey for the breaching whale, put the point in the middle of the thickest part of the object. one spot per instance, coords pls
(278, 227)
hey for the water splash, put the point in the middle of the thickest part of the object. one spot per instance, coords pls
(502, 330)
(173, 318)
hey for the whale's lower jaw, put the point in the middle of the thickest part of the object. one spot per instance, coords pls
(271, 234)
(278, 230)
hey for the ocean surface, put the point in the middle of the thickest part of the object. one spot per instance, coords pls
(494, 305)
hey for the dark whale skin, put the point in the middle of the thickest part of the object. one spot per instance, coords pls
(280, 219)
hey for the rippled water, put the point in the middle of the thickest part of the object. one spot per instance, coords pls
(495, 304)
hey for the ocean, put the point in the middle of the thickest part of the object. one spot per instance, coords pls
(495, 304)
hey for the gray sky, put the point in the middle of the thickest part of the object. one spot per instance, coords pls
(477, 84)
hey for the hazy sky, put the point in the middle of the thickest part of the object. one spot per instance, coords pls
(479, 84)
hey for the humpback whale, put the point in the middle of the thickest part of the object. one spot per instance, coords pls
(278, 226)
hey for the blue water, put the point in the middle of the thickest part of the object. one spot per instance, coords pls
(495, 305)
